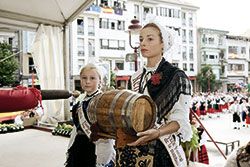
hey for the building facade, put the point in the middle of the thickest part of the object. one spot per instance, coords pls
(101, 35)
(212, 50)
(227, 55)
(238, 61)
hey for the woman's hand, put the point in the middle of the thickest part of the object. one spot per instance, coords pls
(146, 136)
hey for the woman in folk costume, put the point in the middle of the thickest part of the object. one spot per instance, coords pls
(200, 154)
(81, 150)
(170, 89)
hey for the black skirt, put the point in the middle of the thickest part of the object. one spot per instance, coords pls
(81, 153)
(236, 117)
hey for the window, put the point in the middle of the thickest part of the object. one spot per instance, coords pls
(243, 50)
(81, 63)
(170, 12)
(165, 12)
(91, 26)
(204, 56)
(211, 57)
(104, 2)
(120, 25)
(204, 39)
(137, 11)
(119, 64)
(230, 67)
(112, 24)
(191, 65)
(220, 41)
(80, 46)
(232, 49)
(147, 10)
(121, 45)
(239, 67)
(183, 16)
(103, 23)
(80, 27)
(176, 13)
(211, 40)
(191, 39)
(184, 36)
(185, 66)
(113, 44)
(191, 53)
(190, 20)
(184, 53)
(91, 47)
(31, 66)
(104, 43)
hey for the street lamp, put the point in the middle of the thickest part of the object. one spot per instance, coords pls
(135, 26)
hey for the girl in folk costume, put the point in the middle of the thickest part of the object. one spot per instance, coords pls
(81, 150)
(170, 89)
(195, 107)
(217, 108)
(243, 104)
(235, 108)
(209, 106)
(200, 155)
(202, 109)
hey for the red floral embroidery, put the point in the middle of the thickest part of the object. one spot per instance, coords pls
(156, 78)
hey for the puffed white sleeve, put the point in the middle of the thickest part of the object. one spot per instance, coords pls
(180, 114)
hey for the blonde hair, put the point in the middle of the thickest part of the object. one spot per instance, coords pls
(91, 66)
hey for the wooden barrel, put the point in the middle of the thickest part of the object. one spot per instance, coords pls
(122, 109)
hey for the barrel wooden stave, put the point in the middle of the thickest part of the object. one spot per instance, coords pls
(106, 109)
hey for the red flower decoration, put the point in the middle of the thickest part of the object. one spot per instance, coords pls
(156, 78)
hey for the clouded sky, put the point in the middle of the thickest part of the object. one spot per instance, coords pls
(229, 15)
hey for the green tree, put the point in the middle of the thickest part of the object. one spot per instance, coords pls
(112, 79)
(206, 79)
(8, 65)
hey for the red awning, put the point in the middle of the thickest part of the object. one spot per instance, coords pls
(122, 78)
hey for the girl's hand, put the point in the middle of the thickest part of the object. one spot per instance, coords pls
(145, 137)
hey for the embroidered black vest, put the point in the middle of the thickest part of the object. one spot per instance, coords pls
(172, 83)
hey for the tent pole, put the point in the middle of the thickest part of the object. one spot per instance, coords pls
(66, 60)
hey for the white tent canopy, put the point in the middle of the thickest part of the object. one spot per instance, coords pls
(28, 14)
(51, 46)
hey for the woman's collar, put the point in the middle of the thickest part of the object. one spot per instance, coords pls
(153, 68)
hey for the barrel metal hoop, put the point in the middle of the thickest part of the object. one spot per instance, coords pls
(93, 116)
(126, 122)
(154, 111)
(111, 109)
(129, 110)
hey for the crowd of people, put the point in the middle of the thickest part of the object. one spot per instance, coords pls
(211, 105)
